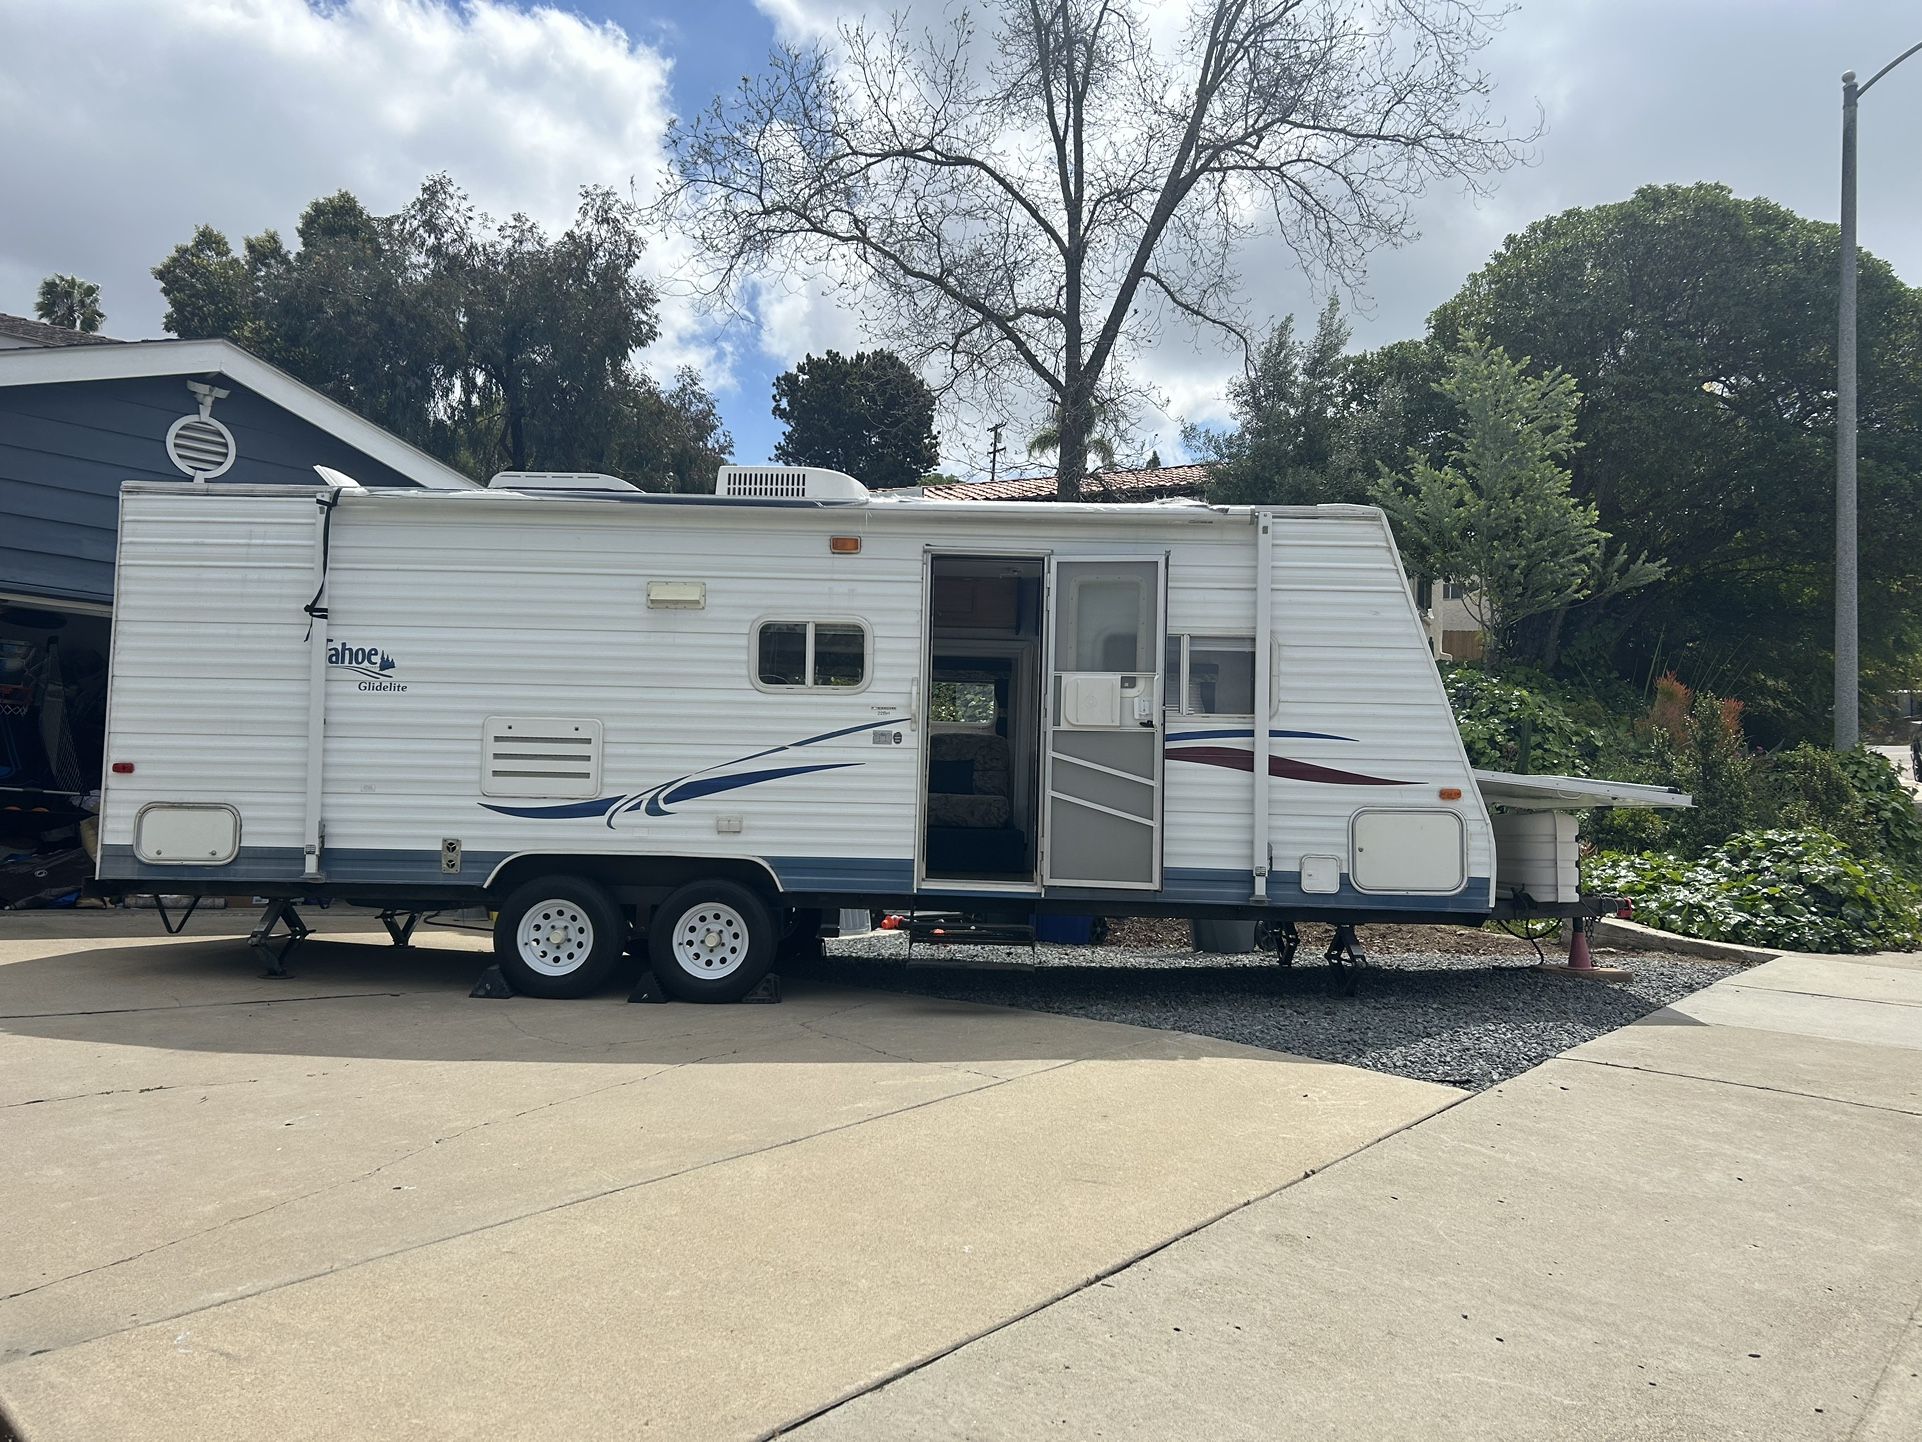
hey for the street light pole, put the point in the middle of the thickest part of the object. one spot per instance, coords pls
(1848, 702)
(1848, 670)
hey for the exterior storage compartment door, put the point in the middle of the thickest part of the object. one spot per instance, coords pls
(1103, 759)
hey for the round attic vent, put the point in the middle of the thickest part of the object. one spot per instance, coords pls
(201, 446)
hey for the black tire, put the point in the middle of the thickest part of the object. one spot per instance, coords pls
(726, 939)
(579, 912)
(800, 937)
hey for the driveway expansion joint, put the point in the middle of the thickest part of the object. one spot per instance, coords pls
(130, 1091)
(203, 1005)
(1747, 1086)
(1100, 1278)
(1734, 984)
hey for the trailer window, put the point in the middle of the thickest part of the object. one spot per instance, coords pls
(783, 651)
(840, 654)
(1211, 675)
(809, 654)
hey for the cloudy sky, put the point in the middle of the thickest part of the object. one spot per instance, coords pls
(126, 122)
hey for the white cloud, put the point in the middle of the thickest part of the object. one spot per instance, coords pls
(129, 122)
(798, 21)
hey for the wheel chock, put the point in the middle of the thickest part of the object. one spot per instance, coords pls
(492, 985)
(767, 989)
(648, 989)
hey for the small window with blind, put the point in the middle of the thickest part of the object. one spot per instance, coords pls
(1211, 675)
(811, 655)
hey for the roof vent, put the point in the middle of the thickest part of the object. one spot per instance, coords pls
(558, 481)
(198, 444)
(787, 483)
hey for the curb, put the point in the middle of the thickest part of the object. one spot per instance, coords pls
(1633, 935)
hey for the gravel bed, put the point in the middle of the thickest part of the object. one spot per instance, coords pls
(1467, 1021)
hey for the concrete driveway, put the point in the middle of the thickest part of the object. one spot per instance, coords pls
(1707, 1225)
(360, 1204)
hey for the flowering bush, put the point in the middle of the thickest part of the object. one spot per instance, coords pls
(1800, 890)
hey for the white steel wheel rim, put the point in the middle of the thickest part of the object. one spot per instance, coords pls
(555, 937)
(710, 940)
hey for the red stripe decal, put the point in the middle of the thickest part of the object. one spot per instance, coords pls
(1236, 759)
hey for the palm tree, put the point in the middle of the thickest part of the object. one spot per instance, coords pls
(70, 303)
(1101, 442)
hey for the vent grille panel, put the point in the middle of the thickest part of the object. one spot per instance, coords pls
(200, 446)
(769, 485)
(547, 757)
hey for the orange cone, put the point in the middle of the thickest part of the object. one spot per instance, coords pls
(1578, 957)
(1581, 964)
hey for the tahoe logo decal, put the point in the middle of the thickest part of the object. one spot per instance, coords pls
(370, 662)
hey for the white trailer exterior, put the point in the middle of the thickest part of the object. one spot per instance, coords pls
(816, 700)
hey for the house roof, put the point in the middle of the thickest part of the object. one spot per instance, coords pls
(1140, 485)
(129, 360)
(39, 334)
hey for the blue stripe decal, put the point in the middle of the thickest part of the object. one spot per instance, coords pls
(568, 811)
(692, 790)
(851, 874)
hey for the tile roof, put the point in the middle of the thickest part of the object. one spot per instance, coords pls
(38, 333)
(1146, 485)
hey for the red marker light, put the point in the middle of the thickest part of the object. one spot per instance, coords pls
(123, 768)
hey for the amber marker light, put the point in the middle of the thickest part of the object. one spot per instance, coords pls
(1451, 793)
(844, 545)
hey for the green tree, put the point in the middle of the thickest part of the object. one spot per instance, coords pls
(672, 439)
(1309, 427)
(490, 344)
(1497, 514)
(208, 288)
(1391, 393)
(1700, 330)
(867, 415)
(70, 303)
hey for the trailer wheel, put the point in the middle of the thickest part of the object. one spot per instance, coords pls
(558, 936)
(712, 941)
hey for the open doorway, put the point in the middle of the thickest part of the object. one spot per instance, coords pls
(982, 781)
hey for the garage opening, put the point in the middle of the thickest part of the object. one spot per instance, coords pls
(53, 698)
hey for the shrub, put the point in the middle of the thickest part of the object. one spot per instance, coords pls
(1706, 754)
(1566, 735)
(1800, 890)
(1887, 804)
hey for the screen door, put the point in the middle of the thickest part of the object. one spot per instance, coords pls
(1103, 773)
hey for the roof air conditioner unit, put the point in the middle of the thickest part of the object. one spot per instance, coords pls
(788, 483)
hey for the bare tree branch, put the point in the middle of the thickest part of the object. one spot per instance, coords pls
(1015, 213)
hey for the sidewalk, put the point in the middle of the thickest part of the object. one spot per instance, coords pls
(1708, 1224)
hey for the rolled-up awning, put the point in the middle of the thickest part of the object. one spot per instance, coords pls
(1573, 793)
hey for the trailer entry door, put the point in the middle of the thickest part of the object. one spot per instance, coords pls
(1104, 723)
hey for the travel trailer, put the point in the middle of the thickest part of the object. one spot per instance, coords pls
(614, 717)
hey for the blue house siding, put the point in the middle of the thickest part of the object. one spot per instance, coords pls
(65, 448)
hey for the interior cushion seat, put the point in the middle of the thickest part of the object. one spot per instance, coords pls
(970, 781)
